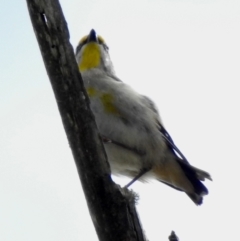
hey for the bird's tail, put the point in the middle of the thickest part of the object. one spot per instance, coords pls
(183, 177)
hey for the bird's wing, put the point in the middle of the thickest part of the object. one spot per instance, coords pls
(170, 143)
(168, 139)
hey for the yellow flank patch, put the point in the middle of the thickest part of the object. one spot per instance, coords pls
(90, 57)
(91, 92)
(107, 101)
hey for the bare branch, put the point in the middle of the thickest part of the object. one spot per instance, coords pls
(114, 217)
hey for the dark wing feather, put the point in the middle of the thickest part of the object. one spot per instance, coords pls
(189, 171)
(169, 141)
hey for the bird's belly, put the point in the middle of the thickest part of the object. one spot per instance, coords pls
(122, 161)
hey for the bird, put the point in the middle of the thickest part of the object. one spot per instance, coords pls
(135, 139)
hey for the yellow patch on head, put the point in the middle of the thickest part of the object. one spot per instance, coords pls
(83, 39)
(107, 101)
(90, 57)
(101, 40)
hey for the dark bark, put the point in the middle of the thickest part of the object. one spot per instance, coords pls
(113, 212)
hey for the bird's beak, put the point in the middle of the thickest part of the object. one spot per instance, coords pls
(92, 37)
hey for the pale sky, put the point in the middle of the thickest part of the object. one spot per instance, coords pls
(185, 55)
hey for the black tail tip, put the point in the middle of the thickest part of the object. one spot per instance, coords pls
(197, 199)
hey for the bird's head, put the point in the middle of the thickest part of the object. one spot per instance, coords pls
(92, 52)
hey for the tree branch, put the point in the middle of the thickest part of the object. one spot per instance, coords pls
(114, 217)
